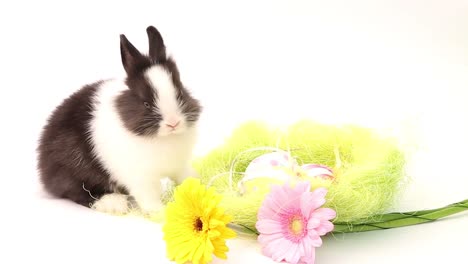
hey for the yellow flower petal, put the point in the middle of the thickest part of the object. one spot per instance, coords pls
(195, 226)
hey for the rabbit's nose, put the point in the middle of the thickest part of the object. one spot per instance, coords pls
(172, 123)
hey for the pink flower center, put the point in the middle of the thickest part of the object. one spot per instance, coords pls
(295, 228)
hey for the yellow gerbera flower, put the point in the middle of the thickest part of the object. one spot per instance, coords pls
(195, 226)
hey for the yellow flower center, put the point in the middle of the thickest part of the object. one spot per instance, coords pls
(198, 224)
(296, 226)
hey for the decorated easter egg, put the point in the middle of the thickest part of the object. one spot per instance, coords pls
(278, 167)
(270, 167)
(316, 170)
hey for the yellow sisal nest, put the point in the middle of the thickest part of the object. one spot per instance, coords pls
(368, 169)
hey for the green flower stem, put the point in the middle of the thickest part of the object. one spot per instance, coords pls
(387, 221)
(393, 220)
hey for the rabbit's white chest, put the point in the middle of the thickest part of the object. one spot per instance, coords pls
(135, 159)
(160, 157)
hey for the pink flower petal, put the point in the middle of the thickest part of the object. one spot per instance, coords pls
(302, 187)
(271, 207)
(302, 250)
(267, 211)
(308, 248)
(325, 227)
(306, 202)
(287, 201)
(312, 232)
(309, 258)
(281, 250)
(313, 223)
(274, 189)
(310, 202)
(320, 193)
(293, 255)
(279, 196)
(324, 214)
(315, 239)
(267, 226)
(272, 247)
(266, 239)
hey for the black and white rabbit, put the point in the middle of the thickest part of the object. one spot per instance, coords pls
(116, 138)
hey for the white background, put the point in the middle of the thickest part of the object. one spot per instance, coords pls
(398, 65)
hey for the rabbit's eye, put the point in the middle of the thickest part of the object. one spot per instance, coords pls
(147, 105)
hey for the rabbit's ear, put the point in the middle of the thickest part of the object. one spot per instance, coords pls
(157, 50)
(131, 57)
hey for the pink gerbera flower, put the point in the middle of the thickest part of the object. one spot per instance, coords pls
(290, 222)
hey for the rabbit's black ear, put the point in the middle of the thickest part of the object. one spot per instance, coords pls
(131, 57)
(157, 50)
